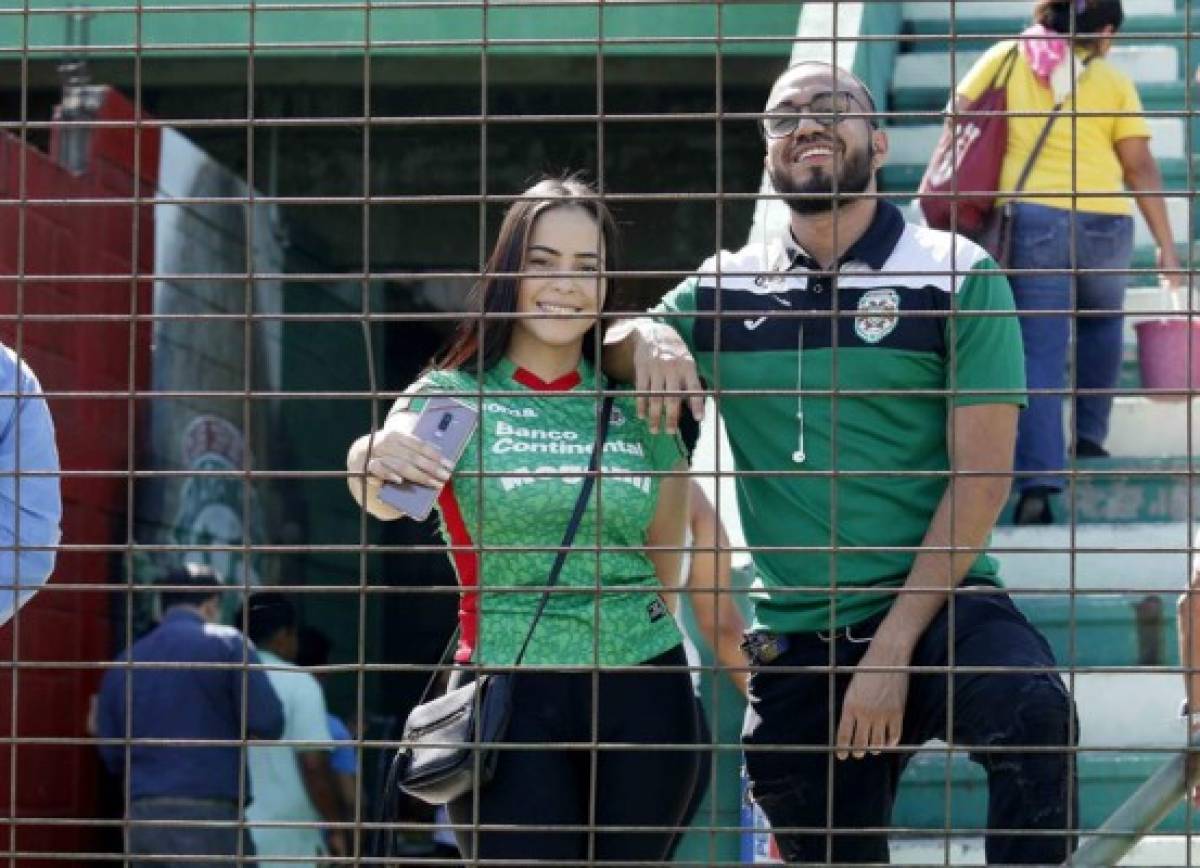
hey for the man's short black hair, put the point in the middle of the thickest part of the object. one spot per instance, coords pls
(190, 585)
(265, 614)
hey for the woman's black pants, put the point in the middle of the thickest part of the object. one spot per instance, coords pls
(572, 802)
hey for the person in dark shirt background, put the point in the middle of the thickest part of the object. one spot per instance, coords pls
(313, 651)
(201, 784)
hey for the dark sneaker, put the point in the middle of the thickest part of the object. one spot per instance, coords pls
(1085, 448)
(1033, 507)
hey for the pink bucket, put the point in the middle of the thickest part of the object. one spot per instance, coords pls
(1163, 352)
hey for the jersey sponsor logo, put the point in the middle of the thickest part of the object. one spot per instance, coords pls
(538, 441)
(564, 474)
(518, 412)
(879, 314)
(752, 324)
(504, 429)
(513, 445)
(657, 610)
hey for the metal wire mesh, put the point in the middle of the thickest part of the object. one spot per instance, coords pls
(234, 233)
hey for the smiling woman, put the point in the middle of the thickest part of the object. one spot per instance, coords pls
(525, 359)
(558, 235)
(560, 293)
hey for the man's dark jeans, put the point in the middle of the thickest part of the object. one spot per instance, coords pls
(1009, 719)
(219, 842)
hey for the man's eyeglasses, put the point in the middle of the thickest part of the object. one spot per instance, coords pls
(826, 109)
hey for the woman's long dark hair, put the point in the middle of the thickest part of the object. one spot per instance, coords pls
(496, 291)
(1090, 16)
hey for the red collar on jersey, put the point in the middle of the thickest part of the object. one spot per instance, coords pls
(532, 381)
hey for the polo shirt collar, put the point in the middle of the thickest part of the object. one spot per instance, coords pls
(874, 247)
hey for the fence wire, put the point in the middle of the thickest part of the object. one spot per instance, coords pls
(233, 235)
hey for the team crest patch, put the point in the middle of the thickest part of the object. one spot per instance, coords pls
(878, 315)
(616, 418)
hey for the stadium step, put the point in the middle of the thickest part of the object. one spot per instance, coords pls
(1121, 558)
(1153, 851)
(1106, 779)
(1125, 489)
(1153, 428)
(1101, 629)
(1000, 18)
(1145, 64)
(939, 11)
(929, 100)
(1129, 724)
(912, 144)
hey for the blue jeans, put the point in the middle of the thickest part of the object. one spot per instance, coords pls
(1041, 240)
(219, 843)
(1004, 713)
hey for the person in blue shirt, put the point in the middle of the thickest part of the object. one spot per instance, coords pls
(208, 699)
(30, 503)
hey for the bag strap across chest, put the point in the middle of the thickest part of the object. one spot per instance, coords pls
(585, 491)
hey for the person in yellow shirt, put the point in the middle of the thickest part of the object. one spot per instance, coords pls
(1073, 215)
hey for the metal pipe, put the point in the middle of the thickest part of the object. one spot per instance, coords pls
(1139, 814)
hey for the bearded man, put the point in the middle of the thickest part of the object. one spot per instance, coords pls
(870, 375)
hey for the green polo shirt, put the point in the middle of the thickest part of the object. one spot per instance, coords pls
(858, 370)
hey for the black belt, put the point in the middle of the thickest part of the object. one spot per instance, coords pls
(762, 647)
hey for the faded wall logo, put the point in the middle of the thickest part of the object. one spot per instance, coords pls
(216, 512)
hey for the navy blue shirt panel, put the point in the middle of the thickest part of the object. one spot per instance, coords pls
(196, 702)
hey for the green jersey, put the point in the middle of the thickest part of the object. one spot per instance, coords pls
(531, 445)
(839, 387)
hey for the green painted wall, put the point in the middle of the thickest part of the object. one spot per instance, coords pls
(752, 28)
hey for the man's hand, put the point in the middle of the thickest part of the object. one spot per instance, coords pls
(873, 709)
(663, 365)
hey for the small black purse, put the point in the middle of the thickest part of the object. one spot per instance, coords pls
(449, 743)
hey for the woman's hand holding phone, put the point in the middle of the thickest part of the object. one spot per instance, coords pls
(395, 456)
(398, 457)
(408, 463)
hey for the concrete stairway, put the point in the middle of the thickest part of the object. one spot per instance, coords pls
(1102, 584)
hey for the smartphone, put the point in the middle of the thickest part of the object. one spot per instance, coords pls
(447, 425)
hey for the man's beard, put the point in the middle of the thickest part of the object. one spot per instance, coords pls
(815, 194)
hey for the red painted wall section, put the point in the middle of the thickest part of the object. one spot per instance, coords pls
(54, 258)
